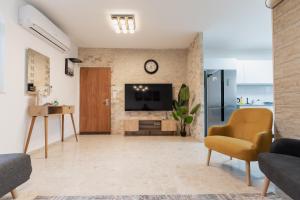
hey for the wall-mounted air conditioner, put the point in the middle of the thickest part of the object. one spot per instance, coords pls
(38, 24)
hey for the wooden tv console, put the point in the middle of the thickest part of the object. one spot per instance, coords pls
(150, 127)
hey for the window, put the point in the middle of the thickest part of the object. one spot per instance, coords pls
(1, 55)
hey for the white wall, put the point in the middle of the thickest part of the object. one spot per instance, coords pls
(241, 54)
(220, 63)
(14, 120)
(1, 55)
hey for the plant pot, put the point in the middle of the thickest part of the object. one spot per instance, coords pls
(183, 133)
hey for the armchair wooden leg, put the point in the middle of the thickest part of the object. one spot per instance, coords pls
(14, 194)
(266, 186)
(248, 173)
(208, 157)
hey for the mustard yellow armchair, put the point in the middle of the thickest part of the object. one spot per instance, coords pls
(247, 133)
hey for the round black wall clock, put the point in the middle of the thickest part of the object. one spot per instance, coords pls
(151, 66)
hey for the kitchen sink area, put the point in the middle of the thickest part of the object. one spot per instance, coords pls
(255, 96)
(255, 84)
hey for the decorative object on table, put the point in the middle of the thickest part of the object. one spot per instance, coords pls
(55, 102)
(181, 111)
(52, 103)
(38, 73)
(69, 65)
(151, 66)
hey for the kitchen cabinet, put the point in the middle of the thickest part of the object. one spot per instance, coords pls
(255, 72)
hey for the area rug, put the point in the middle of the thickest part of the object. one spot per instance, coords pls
(247, 196)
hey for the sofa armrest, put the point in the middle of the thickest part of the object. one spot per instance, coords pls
(218, 130)
(263, 141)
(286, 146)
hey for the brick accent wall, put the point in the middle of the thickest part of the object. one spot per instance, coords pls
(176, 66)
(128, 67)
(286, 45)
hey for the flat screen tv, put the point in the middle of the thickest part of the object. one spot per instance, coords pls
(148, 97)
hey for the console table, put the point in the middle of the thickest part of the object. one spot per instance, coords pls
(46, 111)
(150, 127)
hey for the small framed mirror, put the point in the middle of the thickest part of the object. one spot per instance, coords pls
(38, 73)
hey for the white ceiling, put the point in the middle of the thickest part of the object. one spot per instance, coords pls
(227, 24)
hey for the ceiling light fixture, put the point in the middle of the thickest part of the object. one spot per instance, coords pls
(123, 23)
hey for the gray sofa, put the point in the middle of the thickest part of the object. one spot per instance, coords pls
(15, 169)
(282, 166)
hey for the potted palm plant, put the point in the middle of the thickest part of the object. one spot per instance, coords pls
(181, 111)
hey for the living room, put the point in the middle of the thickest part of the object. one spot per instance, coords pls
(123, 100)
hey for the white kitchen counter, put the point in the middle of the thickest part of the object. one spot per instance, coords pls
(270, 107)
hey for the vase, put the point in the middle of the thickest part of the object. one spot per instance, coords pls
(183, 133)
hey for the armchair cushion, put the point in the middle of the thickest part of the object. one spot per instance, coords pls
(241, 149)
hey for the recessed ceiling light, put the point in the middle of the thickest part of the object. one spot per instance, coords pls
(123, 23)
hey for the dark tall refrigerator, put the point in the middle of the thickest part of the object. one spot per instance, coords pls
(220, 96)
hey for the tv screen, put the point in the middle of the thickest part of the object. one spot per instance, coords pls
(148, 97)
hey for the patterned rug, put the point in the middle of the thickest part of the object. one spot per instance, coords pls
(247, 196)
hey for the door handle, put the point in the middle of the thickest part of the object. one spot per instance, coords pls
(106, 102)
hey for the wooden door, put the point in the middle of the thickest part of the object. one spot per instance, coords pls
(95, 100)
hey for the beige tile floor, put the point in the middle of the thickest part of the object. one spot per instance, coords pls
(134, 165)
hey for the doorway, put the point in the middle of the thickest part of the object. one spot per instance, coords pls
(95, 95)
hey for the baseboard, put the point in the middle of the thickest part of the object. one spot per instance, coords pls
(199, 137)
(51, 144)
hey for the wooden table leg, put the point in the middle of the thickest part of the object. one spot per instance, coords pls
(74, 126)
(62, 127)
(29, 134)
(46, 136)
